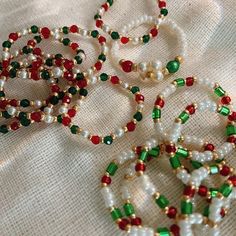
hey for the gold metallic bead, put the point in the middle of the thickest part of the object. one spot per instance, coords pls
(179, 59)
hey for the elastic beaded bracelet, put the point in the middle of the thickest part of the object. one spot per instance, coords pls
(123, 38)
(130, 126)
(154, 70)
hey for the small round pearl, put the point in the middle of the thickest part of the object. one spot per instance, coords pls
(57, 72)
(48, 119)
(11, 110)
(38, 103)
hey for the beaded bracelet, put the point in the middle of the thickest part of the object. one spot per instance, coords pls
(126, 39)
(154, 70)
(130, 126)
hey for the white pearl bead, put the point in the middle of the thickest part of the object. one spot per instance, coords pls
(24, 32)
(105, 49)
(38, 103)
(57, 36)
(48, 110)
(32, 57)
(119, 132)
(48, 119)
(11, 110)
(23, 74)
(93, 79)
(63, 110)
(85, 133)
(157, 65)
(106, 28)
(125, 193)
(108, 197)
(2, 83)
(5, 55)
(83, 32)
(159, 76)
(57, 72)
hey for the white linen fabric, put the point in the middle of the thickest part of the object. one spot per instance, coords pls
(50, 179)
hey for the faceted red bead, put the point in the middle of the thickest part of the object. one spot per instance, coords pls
(202, 190)
(115, 80)
(231, 139)
(140, 167)
(131, 126)
(74, 46)
(189, 81)
(175, 230)
(98, 66)
(15, 125)
(124, 40)
(189, 191)
(5, 63)
(37, 51)
(136, 221)
(106, 179)
(139, 150)
(68, 76)
(225, 171)
(232, 117)
(170, 149)
(222, 212)
(36, 64)
(233, 180)
(31, 43)
(5, 73)
(139, 98)
(154, 32)
(127, 66)
(68, 64)
(13, 102)
(209, 147)
(72, 112)
(66, 121)
(172, 211)
(226, 100)
(160, 102)
(105, 6)
(95, 139)
(45, 32)
(36, 116)
(102, 39)
(191, 109)
(74, 29)
(3, 104)
(58, 62)
(123, 224)
(55, 88)
(13, 36)
(162, 4)
(66, 99)
(34, 74)
(82, 83)
(99, 23)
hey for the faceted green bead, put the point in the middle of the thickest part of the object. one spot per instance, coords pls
(162, 202)
(94, 33)
(196, 164)
(59, 119)
(116, 214)
(104, 77)
(72, 90)
(155, 152)
(143, 156)
(231, 130)
(25, 50)
(22, 115)
(214, 169)
(38, 38)
(34, 29)
(58, 56)
(6, 115)
(146, 38)
(184, 116)
(80, 76)
(108, 140)
(83, 92)
(225, 189)
(110, 2)
(164, 11)
(112, 168)
(175, 163)
(45, 75)
(24, 102)
(66, 41)
(15, 65)
(138, 116)
(129, 209)
(12, 73)
(74, 129)
(102, 57)
(225, 111)
(49, 62)
(163, 232)
(182, 152)
(6, 44)
(213, 192)
(186, 207)
(156, 113)
(206, 211)
(135, 89)
(3, 129)
(78, 59)
(65, 30)
(61, 95)
(219, 91)
(97, 16)
(25, 122)
(173, 66)
(115, 35)
(180, 82)
(54, 100)
(2, 94)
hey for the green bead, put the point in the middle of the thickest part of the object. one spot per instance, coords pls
(58, 56)
(112, 168)
(15, 65)
(61, 95)
(156, 113)
(225, 189)
(143, 156)
(94, 33)
(219, 91)
(34, 29)
(206, 211)
(2, 94)
(83, 92)
(186, 208)
(184, 116)
(49, 62)
(66, 41)
(25, 103)
(22, 115)
(115, 35)
(162, 202)
(225, 111)
(80, 76)
(180, 82)
(45, 75)
(25, 122)
(213, 192)
(182, 152)
(104, 77)
(138, 116)
(97, 16)
(231, 130)
(196, 164)
(6, 44)
(59, 119)
(3, 129)
(102, 57)
(38, 38)
(164, 11)
(214, 169)
(54, 100)
(173, 66)
(25, 50)
(6, 115)
(135, 89)
(74, 129)
(116, 214)
(129, 209)
(78, 59)
(108, 140)
(65, 30)
(72, 90)
(175, 163)
(110, 2)
(146, 38)
(155, 152)
(163, 232)
(12, 73)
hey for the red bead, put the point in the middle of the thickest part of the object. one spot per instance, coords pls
(170, 149)
(74, 46)
(99, 23)
(209, 147)
(69, 76)
(102, 39)
(124, 40)
(106, 179)
(98, 66)
(131, 126)
(226, 100)
(36, 64)
(72, 112)
(139, 98)
(36, 116)
(13, 103)
(68, 64)
(138, 150)
(105, 6)
(82, 83)
(37, 51)
(31, 43)
(191, 109)
(127, 66)
(175, 230)
(15, 125)
(189, 191)
(222, 212)
(55, 88)
(123, 224)
(202, 190)
(233, 180)
(5, 63)
(66, 99)
(95, 139)
(225, 171)
(172, 211)
(140, 167)
(66, 121)
(154, 32)
(232, 117)
(115, 80)
(13, 36)
(45, 32)
(5, 73)
(189, 81)
(34, 74)
(136, 221)
(74, 29)
(231, 139)
(160, 102)
(58, 62)
(3, 104)
(162, 4)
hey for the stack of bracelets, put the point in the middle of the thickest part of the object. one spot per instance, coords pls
(193, 160)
